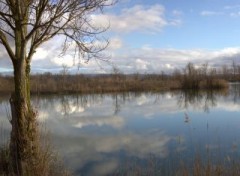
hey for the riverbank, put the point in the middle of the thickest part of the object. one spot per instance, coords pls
(56, 84)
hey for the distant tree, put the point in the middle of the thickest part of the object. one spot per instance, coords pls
(163, 75)
(191, 77)
(65, 70)
(225, 71)
(234, 70)
(238, 71)
(177, 75)
(24, 26)
(204, 70)
(116, 71)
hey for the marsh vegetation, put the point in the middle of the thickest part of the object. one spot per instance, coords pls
(190, 77)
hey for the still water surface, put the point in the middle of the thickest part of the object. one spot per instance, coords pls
(112, 133)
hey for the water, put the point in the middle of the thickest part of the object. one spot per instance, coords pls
(114, 133)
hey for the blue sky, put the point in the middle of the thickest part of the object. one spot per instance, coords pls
(207, 24)
(155, 35)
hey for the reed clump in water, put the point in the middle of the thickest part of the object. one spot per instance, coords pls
(201, 78)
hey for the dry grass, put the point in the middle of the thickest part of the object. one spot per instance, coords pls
(99, 83)
(49, 83)
(197, 168)
(47, 164)
(50, 165)
(215, 84)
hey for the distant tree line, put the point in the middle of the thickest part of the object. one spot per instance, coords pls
(201, 77)
(191, 77)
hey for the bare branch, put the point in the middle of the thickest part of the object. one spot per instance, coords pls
(6, 45)
(33, 22)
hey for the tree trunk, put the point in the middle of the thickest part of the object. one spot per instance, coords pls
(23, 144)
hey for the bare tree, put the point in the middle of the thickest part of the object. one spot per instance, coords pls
(24, 26)
(234, 70)
(225, 71)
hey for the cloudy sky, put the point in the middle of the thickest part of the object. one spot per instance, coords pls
(153, 36)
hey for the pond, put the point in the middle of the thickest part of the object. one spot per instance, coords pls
(112, 134)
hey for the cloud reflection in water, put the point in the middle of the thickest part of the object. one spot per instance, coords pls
(96, 133)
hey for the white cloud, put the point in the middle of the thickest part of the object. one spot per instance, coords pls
(113, 121)
(82, 115)
(41, 53)
(228, 106)
(136, 18)
(100, 148)
(226, 52)
(67, 60)
(126, 58)
(142, 100)
(169, 66)
(145, 59)
(115, 43)
(142, 65)
(136, 144)
(110, 2)
(155, 60)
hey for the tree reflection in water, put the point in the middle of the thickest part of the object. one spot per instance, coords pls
(199, 99)
(235, 92)
(99, 133)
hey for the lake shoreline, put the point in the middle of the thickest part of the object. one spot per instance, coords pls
(111, 83)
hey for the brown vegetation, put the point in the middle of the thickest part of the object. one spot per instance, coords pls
(210, 169)
(198, 167)
(49, 83)
(48, 162)
(189, 78)
(99, 83)
(201, 78)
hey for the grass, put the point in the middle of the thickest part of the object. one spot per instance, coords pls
(214, 84)
(48, 164)
(199, 167)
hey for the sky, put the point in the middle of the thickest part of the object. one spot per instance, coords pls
(153, 36)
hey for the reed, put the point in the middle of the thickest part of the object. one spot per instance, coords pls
(55, 84)
(48, 163)
(199, 167)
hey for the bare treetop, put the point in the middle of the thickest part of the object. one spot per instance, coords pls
(33, 22)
